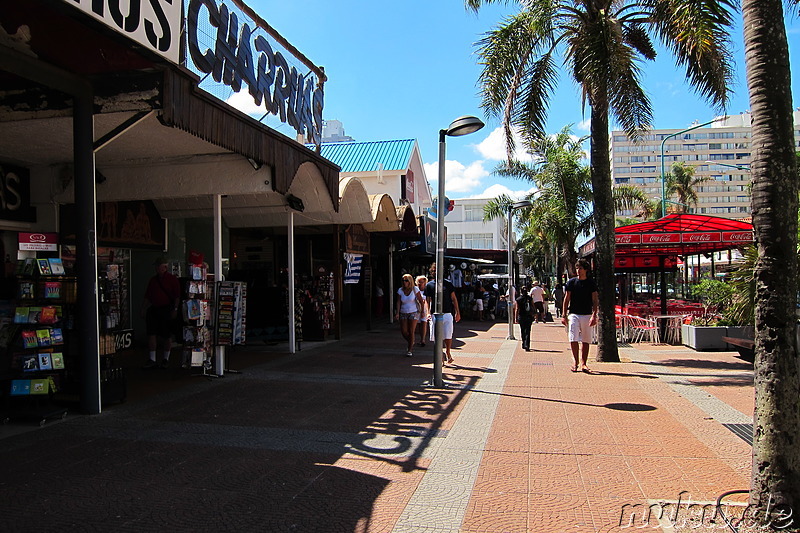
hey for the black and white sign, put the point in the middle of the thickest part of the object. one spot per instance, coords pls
(238, 54)
(155, 24)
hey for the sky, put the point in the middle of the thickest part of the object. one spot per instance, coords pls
(400, 70)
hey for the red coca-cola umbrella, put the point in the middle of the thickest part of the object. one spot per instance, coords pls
(681, 235)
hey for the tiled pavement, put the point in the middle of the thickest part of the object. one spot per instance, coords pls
(346, 437)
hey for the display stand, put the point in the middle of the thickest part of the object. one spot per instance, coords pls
(231, 319)
(197, 314)
(34, 340)
(113, 302)
(319, 310)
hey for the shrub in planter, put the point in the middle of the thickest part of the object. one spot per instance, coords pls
(715, 295)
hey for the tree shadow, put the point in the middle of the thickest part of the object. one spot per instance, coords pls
(612, 406)
(699, 363)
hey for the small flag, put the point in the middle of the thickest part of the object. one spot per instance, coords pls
(353, 271)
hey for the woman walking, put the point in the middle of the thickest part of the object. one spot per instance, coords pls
(425, 312)
(409, 303)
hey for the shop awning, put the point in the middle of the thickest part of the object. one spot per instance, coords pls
(683, 234)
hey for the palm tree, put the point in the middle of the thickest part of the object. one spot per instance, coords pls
(774, 200)
(682, 183)
(603, 43)
(561, 209)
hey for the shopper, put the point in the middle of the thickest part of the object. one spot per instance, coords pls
(558, 298)
(580, 313)
(409, 304)
(537, 295)
(425, 313)
(524, 310)
(450, 311)
(160, 310)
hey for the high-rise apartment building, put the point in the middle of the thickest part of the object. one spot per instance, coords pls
(721, 150)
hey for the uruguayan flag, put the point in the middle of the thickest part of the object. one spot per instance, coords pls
(353, 272)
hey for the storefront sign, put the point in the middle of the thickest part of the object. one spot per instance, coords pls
(356, 239)
(645, 263)
(15, 194)
(123, 339)
(121, 225)
(737, 236)
(626, 238)
(38, 242)
(242, 55)
(408, 189)
(155, 24)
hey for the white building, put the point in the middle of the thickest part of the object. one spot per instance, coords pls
(721, 151)
(333, 132)
(467, 230)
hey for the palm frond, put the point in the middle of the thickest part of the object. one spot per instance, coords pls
(698, 35)
(497, 207)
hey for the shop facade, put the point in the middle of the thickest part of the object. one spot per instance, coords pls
(110, 148)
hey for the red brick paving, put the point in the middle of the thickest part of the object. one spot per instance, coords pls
(565, 451)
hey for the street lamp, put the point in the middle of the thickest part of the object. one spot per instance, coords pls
(663, 172)
(460, 126)
(744, 167)
(511, 299)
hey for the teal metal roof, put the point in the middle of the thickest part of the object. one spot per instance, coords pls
(365, 156)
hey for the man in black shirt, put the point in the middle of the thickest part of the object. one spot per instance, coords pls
(580, 313)
(450, 312)
(523, 312)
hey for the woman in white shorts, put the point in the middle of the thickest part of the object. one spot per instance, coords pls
(425, 312)
(409, 303)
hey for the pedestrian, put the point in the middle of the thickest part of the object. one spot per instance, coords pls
(409, 304)
(478, 305)
(450, 311)
(537, 295)
(425, 313)
(558, 298)
(524, 310)
(160, 310)
(580, 313)
(379, 295)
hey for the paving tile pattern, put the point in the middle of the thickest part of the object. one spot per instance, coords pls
(349, 436)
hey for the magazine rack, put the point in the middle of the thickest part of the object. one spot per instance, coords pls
(34, 339)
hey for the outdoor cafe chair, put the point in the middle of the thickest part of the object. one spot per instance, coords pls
(643, 329)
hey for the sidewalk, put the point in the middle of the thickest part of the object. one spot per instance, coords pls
(346, 437)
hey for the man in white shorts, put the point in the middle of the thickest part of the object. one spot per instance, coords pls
(450, 311)
(580, 313)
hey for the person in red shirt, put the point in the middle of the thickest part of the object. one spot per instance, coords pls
(160, 309)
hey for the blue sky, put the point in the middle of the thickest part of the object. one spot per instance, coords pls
(401, 70)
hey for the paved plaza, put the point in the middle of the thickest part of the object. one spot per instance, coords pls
(347, 436)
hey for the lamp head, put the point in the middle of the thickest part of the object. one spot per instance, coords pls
(521, 204)
(464, 126)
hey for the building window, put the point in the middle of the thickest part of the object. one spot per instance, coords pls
(473, 213)
(455, 240)
(477, 241)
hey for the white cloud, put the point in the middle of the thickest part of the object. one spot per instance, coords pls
(584, 125)
(458, 178)
(243, 101)
(493, 147)
(493, 191)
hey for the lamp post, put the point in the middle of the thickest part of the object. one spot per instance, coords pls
(663, 172)
(460, 126)
(744, 167)
(511, 291)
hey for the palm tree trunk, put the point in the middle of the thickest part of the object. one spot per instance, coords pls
(776, 421)
(604, 226)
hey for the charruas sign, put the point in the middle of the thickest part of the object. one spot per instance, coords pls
(240, 54)
(155, 24)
